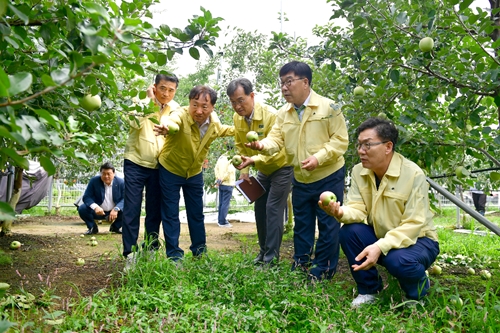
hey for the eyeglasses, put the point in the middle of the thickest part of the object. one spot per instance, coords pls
(365, 146)
(288, 82)
(239, 101)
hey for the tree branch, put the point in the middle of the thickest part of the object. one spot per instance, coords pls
(48, 89)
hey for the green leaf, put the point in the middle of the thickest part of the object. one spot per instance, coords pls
(464, 4)
(23, 17)
(7, 213)
(20, 82)
(50, 118)
(94, 8)
(15, 137)
(154, 120)
(47, 164)
(4, 83)
(60, 75)
(142, 95)
(47, 81)
(161, 59)
(3, 7)
(18, 159)
(193, 51)
(133, 21)
(333, 66)
(394, 75)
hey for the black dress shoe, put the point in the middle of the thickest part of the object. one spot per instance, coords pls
(115, 230)
(92, 231)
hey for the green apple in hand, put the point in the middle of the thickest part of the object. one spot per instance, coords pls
(326, 197)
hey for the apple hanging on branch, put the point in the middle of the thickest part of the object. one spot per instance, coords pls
(426, 44)
(91, 103)
(359, 91)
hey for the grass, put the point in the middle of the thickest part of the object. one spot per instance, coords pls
(224, 292)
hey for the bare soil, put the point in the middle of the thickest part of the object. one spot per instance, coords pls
(51, 246)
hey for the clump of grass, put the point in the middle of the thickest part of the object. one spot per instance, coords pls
(5, 259)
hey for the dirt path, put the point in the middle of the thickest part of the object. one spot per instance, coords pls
(51, 246)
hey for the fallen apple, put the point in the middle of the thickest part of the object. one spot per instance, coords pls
(80, 262)
(82, 235)
(252, 136)
(15, 245)
(456, 300)
(236, 160)
(471, 271)
(327, 197)
(92, 238)
(359, 91)
(485, 274)
(4, 286)
(91, 103)
(435, 270)
(172, 128)
(93, 243)
(426, 44)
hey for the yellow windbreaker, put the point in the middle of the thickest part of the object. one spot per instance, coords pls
(225, 171)
(143, 146)
(322, 133)
(398, 211)
(264, 117)
(184, 152)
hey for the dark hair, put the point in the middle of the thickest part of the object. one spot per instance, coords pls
(170, 78)
(241, 82)
(384, 128)
(301, 69)
(201, 91)
(107, 166)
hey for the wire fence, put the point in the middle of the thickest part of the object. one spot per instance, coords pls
(64, 193)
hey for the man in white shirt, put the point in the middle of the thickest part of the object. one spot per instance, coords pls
(103, 200)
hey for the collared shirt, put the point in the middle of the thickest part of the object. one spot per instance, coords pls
(108, 203)
(249, 119)
(398, 210)
(322, 133)
(302, 107)
(204, 127)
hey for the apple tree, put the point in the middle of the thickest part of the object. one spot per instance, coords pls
(54, 53)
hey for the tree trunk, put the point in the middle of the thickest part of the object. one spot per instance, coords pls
(16, 194)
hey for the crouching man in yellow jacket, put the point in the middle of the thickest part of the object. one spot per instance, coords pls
(181, 160)
(387, 218)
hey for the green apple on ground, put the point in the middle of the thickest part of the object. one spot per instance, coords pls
(173, 128)
(236, 160)
(359, 91)
(91, 103)
(15, 245)
(456, 300)
(92, 238)
(471, 271)
(252, 136)
(80, 262)
(327, 197)
(4, 286)
(485, 274)
(93, 243)
(426, 44)
(435, 270)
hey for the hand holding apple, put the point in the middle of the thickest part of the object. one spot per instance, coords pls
(236, 160)
(246, 161)
(173, 128)
(326, 197)
(256, 145)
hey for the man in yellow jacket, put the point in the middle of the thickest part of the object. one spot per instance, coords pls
(141, 168)
(313, 131)
(387, 218)
(274, 173)
(225, 176)
(181, 161)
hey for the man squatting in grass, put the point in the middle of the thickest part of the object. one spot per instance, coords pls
(390, 193)
(313, 131)
(273, 171)
(140, 167)
(181, 161)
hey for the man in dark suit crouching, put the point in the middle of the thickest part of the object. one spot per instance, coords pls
(103, 200)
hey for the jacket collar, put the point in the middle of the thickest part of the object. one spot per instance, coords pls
(394, 169)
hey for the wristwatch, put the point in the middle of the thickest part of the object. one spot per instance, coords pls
(116, 209)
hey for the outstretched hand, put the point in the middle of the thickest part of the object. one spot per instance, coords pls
(160, 129)
(247, 161)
